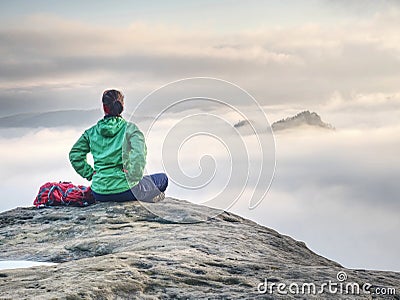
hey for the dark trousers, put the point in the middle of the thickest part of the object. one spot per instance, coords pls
(148, 187)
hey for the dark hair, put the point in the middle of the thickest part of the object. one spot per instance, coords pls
(113, 102)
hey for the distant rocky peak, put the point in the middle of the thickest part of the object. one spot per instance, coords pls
(300, 120)
(304, 118)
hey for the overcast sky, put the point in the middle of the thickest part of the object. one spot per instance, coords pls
(62, 55)
(338, 191)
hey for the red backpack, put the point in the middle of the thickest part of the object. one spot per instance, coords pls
(63, 193)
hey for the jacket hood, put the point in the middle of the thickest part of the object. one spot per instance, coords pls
(110, 126)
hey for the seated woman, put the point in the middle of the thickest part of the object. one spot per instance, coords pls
(119, 153)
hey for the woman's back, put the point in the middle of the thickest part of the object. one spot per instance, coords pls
(119, 153)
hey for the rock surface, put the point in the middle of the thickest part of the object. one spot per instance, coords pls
(122, 251)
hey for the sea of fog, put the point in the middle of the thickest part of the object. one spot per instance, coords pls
(335, 190)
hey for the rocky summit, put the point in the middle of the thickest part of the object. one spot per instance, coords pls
(301, 120)
(123, 251)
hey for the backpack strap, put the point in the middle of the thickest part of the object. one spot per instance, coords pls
(55, 187)
(69, 191)
(39, 200)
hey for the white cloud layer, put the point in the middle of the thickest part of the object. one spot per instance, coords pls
(337, 191)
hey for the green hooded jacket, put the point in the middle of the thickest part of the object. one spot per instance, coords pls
(119, 153)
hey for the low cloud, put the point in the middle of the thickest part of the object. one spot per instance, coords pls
(338, 192)
(30, 160)
(335, 188)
